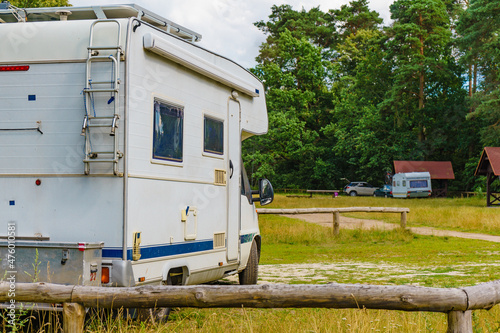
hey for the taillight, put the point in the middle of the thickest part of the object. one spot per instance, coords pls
(14, 68)
(105, 275)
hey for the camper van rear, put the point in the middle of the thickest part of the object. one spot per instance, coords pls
(120, 150)
(411, 185)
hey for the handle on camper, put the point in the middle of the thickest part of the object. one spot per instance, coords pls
(231, 169)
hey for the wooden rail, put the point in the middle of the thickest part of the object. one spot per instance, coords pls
(336, 213)
(456, 302)
(311, 192)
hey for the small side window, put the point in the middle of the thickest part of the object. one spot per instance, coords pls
(404, 183)
(213, 141)
(245, 184)
(168, 131)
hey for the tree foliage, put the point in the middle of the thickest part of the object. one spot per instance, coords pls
(39, 3)
(347, 96)
(479, 29)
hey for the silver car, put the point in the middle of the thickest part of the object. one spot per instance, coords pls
(359, 188)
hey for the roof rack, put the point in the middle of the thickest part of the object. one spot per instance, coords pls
(100, 12)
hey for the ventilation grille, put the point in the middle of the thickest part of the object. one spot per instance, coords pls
(220, 177)
(219, 240)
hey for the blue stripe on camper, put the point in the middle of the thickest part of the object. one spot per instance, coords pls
(164, 250)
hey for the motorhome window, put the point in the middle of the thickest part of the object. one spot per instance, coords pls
(418, 183)
(168, 131)
(404, 182)
(245, 184)
(213, 136)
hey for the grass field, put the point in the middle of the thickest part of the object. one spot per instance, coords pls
(357, 256)
(469, 215)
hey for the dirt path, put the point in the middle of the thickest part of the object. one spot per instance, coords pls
(369, 273)
(352, 223)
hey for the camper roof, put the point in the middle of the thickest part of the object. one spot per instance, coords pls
(11, 14)
(414, 175)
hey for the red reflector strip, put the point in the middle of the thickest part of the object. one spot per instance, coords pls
(14, 68)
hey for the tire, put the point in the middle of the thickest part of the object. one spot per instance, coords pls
(250, 274)
(155, 315)
(353, 193)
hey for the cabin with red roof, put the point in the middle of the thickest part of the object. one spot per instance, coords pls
(489, 166)
(439, 170)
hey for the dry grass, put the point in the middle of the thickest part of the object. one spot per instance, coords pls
(300, 320)
(282, 236)
(469, 215)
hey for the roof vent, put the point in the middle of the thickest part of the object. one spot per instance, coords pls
(63, 14)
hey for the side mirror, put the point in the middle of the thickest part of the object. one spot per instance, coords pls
(265, 192)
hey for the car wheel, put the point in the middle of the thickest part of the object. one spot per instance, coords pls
(250, 274)
(353, 193)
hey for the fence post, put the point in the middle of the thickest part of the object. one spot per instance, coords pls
(73, 317)
(403, 220)
(459, 322)
(336, 223)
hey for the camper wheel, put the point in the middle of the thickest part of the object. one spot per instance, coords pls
(160, 314)
(250, 274)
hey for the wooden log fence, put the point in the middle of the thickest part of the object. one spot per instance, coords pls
(336, 213)
(457, 303)
(311, 192)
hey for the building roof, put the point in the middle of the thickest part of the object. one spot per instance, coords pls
(437, 169)
(489, 162)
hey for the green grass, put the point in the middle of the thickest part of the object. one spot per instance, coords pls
(369, 257)
(356, 256)
(406, 257)
(470, 215)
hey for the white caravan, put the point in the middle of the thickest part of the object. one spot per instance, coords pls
(411, 185)
(120, 151)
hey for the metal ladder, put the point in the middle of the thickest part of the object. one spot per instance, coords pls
(95, 89)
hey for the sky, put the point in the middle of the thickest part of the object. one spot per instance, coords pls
(227, 25)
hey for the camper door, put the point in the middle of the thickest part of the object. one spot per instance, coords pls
(234, 180)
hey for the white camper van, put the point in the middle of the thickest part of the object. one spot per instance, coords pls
(120, 151)
(411, 185)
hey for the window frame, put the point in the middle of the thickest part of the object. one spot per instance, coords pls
(209, 153)
(419, 182)
(165, 160)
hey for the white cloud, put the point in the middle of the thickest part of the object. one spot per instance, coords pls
(227, 25)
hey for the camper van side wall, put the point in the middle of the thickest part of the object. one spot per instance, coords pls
(411, 185)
